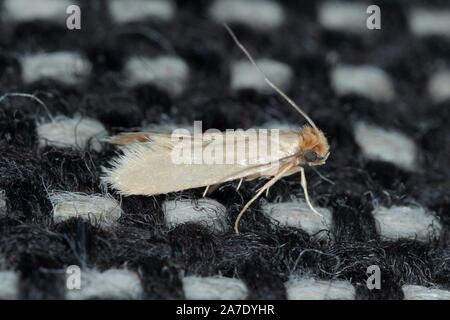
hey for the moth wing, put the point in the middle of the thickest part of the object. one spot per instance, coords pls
(126, 138)
(151, 168)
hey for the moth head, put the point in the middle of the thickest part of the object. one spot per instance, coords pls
(314, 147)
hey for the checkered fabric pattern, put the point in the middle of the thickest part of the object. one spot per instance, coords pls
(382, 97)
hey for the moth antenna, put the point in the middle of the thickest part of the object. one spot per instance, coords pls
(267, 80)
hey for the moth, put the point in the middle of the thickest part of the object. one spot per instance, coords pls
(146, 166)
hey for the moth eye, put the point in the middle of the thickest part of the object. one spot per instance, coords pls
(310, 156)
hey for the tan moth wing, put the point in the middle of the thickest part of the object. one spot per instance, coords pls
(126, 138)
(147, 167)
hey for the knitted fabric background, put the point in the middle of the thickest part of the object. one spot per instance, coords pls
(382, 98)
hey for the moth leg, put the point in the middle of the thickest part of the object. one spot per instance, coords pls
(292, 171)
(210, 189)
(253, 177)
(205, 192)
(305, 190)
(240, 183)
(213, 188)
(287, 173)
(259, 175)
(270, 183)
